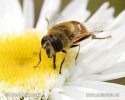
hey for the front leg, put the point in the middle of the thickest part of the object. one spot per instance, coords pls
(76, 45)
(62, 61)
(54, 61)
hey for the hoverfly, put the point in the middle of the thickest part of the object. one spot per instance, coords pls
(63, 36)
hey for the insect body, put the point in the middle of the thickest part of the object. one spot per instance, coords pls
(63, 36)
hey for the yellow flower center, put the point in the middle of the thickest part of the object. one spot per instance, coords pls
(19, 55)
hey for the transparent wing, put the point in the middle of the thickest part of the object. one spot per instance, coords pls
(99, 27)
(53, 18)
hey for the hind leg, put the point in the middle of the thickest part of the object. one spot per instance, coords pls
(95, 37)
(76, 45)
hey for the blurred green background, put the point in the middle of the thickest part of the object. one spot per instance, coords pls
(92, 6)
(118, 4)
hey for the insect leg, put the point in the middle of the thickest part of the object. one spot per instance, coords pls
(62, 61)
(94, 37)
(47, 21)
(77, 52)
(97, 31)
(54, 60)
(22, 98)
(39, 59)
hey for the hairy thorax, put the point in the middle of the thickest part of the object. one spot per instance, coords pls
(68, 32)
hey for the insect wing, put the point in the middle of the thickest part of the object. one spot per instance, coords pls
(53, 18)
(100, 27)
(97, 27)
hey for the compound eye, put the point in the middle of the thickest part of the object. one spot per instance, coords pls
(44, 39)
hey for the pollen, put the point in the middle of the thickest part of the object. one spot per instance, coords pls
(18, 56)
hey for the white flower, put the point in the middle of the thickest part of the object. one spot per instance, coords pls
(99, 60)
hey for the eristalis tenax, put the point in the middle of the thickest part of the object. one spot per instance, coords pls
(63, 36)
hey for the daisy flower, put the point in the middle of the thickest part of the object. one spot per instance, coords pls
(98, 61)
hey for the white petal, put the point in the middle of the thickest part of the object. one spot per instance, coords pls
(119, 20)
(120, 23)
(83, 93)
(99, 55)
(77, 92)
(71, 92)
(119, 67)
(122, 57)
(102, 19)
(48, 6)
(96, 62)
(105, 77)
(58, 96)
(98, 87)
(103, 14)
(76, 10)
(3, 97)
(115, 72)
(28, 10)
(11, 17)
